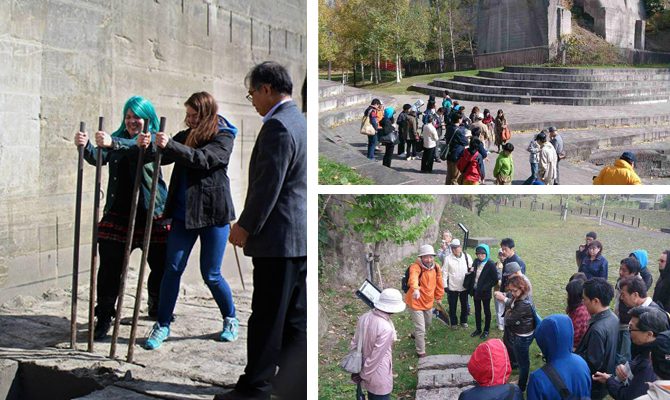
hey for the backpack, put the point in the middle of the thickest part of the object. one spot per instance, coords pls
(404, 282)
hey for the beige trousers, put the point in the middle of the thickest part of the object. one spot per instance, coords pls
(452, 174)
(421, 321)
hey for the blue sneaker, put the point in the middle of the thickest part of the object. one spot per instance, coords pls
(157, 336)
(230, 327)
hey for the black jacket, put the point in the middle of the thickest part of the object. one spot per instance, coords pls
(662, 289)
(598, 348)
(519, 317)
(487, 279)
(643, 372)
(208, 198)
(457, 141)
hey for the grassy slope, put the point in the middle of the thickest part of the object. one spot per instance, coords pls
(545, 243)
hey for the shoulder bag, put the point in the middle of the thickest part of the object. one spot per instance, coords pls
(353, 361)
(366, 126)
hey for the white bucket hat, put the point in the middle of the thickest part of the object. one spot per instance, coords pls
(390, 301)
(455, 243)
(426, 250)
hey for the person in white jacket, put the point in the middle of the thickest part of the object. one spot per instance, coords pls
(430, 139)
(456, 266)
(548, 160)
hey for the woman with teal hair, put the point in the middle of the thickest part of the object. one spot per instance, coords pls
(120, 151)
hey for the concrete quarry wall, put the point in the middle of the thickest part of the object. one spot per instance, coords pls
(64, 61)
(505, 25)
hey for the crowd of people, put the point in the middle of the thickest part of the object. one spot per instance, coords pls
(594, 349)
(198, 204)
(464, 142)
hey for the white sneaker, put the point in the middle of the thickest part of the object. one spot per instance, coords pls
(501, 328)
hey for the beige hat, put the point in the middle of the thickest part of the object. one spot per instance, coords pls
(426, 250)
(390, 301)
(455, 243)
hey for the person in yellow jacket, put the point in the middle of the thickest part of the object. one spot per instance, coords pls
(621, 173)
(425, 287)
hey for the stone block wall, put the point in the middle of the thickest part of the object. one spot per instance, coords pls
(64, 61)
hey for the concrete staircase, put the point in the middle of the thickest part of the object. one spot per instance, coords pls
(565, 86)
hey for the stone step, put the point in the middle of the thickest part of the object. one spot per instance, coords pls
(329, 88)
(616, 121)
(663, 78)
(354, 112)
(344, 100)
(571, 101)
(610, 85)
(584, 71)
(652, 159)
(551, 92)
(582, 144)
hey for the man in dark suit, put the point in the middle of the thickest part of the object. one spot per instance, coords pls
(273, 231)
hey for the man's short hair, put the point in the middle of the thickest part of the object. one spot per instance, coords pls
(456, 117)
(507, 242)
(273, 74)
(592, 235)
(634, 284)
(632, 264)
(599, 288)
(406, 107)
(651, 319)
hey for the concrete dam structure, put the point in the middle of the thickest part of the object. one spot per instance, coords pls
(67, 61)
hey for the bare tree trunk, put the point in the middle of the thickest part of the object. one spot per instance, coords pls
(330, 65)
(440, 36)
(451, 37)
(379, 66)
(398, 73)
(372, 70)
(362, 71)
(472, 50)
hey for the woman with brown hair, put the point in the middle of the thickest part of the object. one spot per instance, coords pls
(500, 123)
(200, 205)
(519, 324)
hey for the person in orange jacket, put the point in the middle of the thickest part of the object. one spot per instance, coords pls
(425, 287)
(621, 173)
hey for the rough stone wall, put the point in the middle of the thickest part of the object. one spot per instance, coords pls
(615, 20)
(64, 61)
(346, 252)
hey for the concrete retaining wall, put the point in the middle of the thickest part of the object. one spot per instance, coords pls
(66, 61)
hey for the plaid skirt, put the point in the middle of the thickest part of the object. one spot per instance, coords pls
(114, 226)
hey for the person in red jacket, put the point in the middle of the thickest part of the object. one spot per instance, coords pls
(489, 365)
(471, 164)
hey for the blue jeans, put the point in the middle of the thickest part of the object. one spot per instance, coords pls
(372, 143)
(534, 167)
(213, 241)
(520, 347)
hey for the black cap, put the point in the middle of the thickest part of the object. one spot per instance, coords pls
(628, 156)
(541, 137)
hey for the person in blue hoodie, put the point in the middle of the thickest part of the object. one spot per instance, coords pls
(642, 257)
(554, 336)
(200, 204)
(486, 277)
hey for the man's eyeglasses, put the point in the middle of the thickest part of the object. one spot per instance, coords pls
(250, 95)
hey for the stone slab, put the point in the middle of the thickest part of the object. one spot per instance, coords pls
(8, 371)
(450, 377)
(443, 361)
(117, 393)
(446, 393)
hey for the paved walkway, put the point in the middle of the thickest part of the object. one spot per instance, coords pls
(191, 364)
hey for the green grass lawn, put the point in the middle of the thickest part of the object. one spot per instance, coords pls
(389, 86)
(332, 173)
(545, 243)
